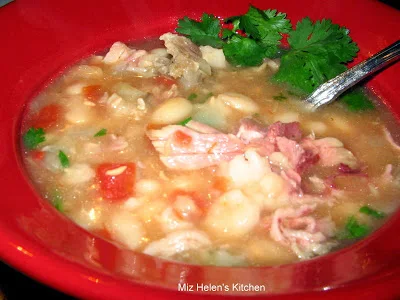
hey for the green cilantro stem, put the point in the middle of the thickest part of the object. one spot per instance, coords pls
(184, 122)
(372, 212)
(279, 97)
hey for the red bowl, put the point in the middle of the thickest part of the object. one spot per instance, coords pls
(42, 37)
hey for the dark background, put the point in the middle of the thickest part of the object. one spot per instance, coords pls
(14, 285)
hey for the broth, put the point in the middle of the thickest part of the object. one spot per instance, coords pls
(247, 175)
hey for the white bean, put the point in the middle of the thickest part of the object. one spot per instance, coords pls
(147, 187)
(86, 71)
(172, 111)
(169, 221)
(317, 127)
(75, 89)
(245, 169)
(239, 102)
(177, 242)
(78, 112)
(232, 215)
(77, 174)
(125, 229)
(214, 57)
(279, 160)
(287, 117)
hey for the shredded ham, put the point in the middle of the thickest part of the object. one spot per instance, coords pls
(305, 235)
(207, 146)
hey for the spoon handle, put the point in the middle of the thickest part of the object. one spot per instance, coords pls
(331, 89)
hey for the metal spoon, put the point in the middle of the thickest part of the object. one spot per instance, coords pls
(330, 90)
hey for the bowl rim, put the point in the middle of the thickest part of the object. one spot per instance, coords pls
(28, 255)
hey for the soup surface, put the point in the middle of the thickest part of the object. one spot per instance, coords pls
(175, 153)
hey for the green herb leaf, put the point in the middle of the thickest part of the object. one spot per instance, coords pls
(184, 122)
(63, 159)
(241, 51)
(318, 53)
(209, 95)
(265, 27)
(354, 230)
(372, 212)
(356, 100)
(279, 97)
(33, 137)
(205, 32)
(192, 96)
(101, 132)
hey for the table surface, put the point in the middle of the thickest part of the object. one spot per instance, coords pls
(15, 285)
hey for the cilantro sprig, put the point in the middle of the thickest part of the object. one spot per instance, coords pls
(261, 33)
(318, 51)
(205, 32)
(33, 137)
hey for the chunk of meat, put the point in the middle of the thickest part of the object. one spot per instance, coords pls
(123, 58)
(250, 130)
(289, 130)
(331, 152)
(187, 62)
(303, 233)
(292, 150)
(203, 145)
(118, 51)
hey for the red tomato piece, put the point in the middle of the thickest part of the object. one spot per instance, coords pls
(165, 81)
(37, 155)
(93, 92)
(182, 139)
(48, 116)
(116, 181)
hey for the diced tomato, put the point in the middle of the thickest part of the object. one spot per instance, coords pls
(182, 139)
(93, 92)
(165, 81)
(48, 116)
(116, 181)
(37, 155)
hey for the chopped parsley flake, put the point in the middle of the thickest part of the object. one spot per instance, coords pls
(101, 132)
(63, 159)
(354, 230)
(33, 137)
(192, 96)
